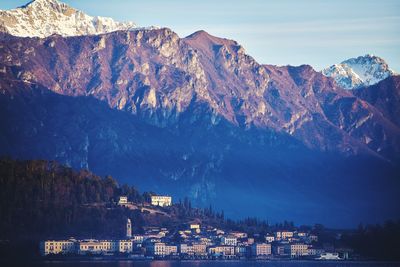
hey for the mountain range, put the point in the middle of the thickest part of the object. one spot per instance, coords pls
(198, 117)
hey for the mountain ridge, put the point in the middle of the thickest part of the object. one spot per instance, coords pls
(42, 18)
(133, 70)
(198, 117)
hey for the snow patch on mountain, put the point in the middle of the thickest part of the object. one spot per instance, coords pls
(42, 18)
(358, 72)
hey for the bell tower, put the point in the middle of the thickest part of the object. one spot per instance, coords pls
(128, 228)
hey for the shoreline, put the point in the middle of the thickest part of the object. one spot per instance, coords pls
(118, 259)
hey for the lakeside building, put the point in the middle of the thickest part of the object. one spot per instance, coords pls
(193, 249)
(278, 250)
(109, 246)
(90, 246)
(125, 246)
(161, 249)
(222, 251)
(162, 201)
(229, 241)
(260, 250)
(241, 251)
(297, 250)
(57, 247)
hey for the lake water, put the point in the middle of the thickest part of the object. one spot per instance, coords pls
(200, 264)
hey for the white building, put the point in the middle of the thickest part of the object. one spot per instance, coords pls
(194, 226)
(269, 238)
(123, 200)
(229, 241)
(162, 201)
(138, 238)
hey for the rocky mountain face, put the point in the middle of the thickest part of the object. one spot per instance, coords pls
(359, 72)
(243, 171)
(198, 117)
(158, 76)
(384, 96)
(42, 18)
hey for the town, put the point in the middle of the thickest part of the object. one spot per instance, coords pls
(195, 241)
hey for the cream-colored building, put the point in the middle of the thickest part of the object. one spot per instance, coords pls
(125, 246)
(90, 247)
(194, 226)
(156, 249)
(123, 200)
(57, 247)
(109, 246)
(194, 249)
(260, 249)
(297, 250)
(162, 201)
(283, 235)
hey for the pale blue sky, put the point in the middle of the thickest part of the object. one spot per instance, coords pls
(316, 32)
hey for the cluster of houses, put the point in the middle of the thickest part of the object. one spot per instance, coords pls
(196, 242)
(193, 241)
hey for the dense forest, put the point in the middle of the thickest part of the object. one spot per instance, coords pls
(42, 198)
(376, 241)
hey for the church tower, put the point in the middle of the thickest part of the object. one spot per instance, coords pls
(128, 228)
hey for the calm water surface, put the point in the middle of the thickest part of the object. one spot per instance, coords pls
(201, 264)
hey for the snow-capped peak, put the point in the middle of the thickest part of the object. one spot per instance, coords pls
(42, 18)
(358, 72)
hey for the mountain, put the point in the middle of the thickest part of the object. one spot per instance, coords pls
(198, 117)
(385, 96)
(160, 78)
(42, 18)
(359, 72)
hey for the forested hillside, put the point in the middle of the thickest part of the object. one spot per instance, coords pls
(43, 199)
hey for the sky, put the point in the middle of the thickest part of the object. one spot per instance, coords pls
(280, 32)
